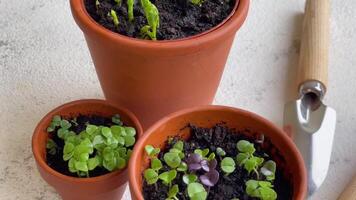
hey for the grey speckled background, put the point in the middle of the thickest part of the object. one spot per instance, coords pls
(44, 62)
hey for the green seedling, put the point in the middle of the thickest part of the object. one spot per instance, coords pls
(228, 165)
(245, 146)
(189, 178)
(220, 152)
(172, 193)
(51, 146)
(54, 123)
(197, 2)
(97, 4)
(151, 151)
(156, 164)
(260, 189)
(211, 156)
(152, 17)
(246, 157)
(151, 176)
(196, 191)
(168, 177)
(183, 167)
(269, 169)
(173, 160)
(201, 152)
(116, 120)
(179, 145)
(114, 18)
(130, 5)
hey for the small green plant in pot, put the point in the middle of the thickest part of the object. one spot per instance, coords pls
(200, 168)
(78, 147)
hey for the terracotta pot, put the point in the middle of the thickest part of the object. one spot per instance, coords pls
(208, 116)
(106, 187)
(154, 78)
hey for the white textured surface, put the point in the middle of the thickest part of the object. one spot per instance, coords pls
(44, 62)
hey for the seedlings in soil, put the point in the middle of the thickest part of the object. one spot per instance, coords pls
(151, 151)
(196, 162)
(268, 170)
(228, 165)
(152, 17)
(172, 193)
(130, 5)
(196, 191)
(95, 146)
(51, 146)
(151, 176)
(189, 178)
(114, 18)
(168, 177)
(246, 157)
(220, 152)
(260, 189)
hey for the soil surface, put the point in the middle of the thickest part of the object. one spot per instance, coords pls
(228, 187)
(56, 161)
(178, 18)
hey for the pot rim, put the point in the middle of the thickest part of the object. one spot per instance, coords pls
(228, 26)
(36, 149)
(139, 146)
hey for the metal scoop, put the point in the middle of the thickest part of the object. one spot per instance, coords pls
(310, 122)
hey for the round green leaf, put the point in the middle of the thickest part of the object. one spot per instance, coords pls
(90, 129)
(172, 159)
(129, 141)
(68, 156)
(71, 165)
(245, 147)
(65, 124)
(98, 139)
(189, 178)
(156, 164)
(168, 177)
(121, 141)
(83, 157)
(110, 164)
(173, 191)
(81, 166)
(93, 163)
(130, 131)
(196, 191)
(151, 176)
(121, 163)
(182, 167)
(118, 131)
(68, 148)
(227, 165)
(179, 145)
(106, 132)
(241, 158)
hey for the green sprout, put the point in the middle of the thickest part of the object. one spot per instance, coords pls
(114, 18)
(156, 164)
(151, 151)
(228, 165)
(51, 146)
(130, 5)
(172, 159)
(197, 2)
(196, 191)
(220, 151)
(246, 157)
(203, 152)
(269, 169)
(54, 123)
(151, 176)
(172, 193)
(189, 178)
(183, 167)
(97, 4)
(152, 17)
(116, 120)
(260, 189)
(168, 177)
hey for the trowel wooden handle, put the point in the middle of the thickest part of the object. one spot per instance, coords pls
(314, 52)
(350, 192)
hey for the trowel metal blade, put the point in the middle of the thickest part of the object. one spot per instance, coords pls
(312, 129)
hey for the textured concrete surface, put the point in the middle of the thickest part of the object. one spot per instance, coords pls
(44, 62)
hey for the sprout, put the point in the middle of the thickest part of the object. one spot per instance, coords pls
(260, 189)
(210, 178)
(172, 193)
(196, 191)
(189, 178)
(151, 176)
(97, 4)
(245, 147)
(269, 170)
(116, 120)
(252, 164)
(172, 159)
(168, 177)
(151, 151)
(183, 167)
(228, 165)
(152, 17)
(246, 158)
(196, 162)
(51, 146)
(220, 151)
(197, 2)
(54, 123)
(156, 164)
(114, 18)
(130, 5)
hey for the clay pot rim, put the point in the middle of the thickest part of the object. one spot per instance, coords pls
(234, 21)
(36, 148)
(139, 146)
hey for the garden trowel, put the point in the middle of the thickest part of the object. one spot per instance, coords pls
(308, 120)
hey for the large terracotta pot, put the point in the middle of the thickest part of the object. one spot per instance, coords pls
(106, 187)
(154, 78)
(208, 116)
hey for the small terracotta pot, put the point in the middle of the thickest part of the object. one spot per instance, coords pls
(106, 187)
(208, 116)
(154, 78)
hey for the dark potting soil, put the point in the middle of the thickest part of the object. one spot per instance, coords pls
(56, 161)
(228, 187)
(178, 18)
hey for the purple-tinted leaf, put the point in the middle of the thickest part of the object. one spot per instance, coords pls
(193, 162)
(194, 166)
(212, 164)
(210, 178)
(205, 165)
